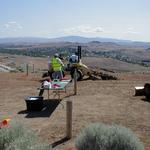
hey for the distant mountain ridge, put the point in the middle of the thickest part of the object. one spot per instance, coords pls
(81, 39)
(73, 39)
(29, 40)
(122, 50)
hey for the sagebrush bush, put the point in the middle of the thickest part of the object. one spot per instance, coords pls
(107, 137)
(17, 137)
(27, 143)
(10, 133)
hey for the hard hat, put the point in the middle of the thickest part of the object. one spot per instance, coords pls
(56, 55)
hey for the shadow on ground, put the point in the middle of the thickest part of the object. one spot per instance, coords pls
(61, 141)
(145, 100)
(48, 108)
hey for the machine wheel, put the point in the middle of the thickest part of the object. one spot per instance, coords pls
(79, 74)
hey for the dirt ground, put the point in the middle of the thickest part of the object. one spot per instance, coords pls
(110, 101)
(96, 101)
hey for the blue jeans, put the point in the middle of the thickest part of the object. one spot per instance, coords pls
(57, 75)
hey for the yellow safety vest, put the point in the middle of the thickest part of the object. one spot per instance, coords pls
(56, 65)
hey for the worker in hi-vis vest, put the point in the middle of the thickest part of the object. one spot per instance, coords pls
(57, 66)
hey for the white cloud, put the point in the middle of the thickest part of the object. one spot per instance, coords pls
(131, 30)
(11, 26)
(83, 29)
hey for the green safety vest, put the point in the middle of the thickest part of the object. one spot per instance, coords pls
(56, 65)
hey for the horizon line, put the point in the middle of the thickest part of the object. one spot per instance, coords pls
(88, 37)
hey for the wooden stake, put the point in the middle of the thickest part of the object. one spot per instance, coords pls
(75, 81)
(69, 119)
(33, 69)
(27, 69)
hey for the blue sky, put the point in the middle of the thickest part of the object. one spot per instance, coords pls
(122, 19)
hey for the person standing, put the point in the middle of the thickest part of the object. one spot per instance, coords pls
(73, 58)
(57, 66)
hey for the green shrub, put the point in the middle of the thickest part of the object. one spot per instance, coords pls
(17, 137)
(107, 137)
(10, 133)
(28, 143)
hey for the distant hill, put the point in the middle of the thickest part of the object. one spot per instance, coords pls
(73, 39)
(123, 50)
(21, 40)
(81, 39)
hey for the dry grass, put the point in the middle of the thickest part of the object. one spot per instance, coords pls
(96, 101)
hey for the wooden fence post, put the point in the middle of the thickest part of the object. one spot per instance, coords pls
(27, 69)
(33, 69)
(75, 81)
(69, 119)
